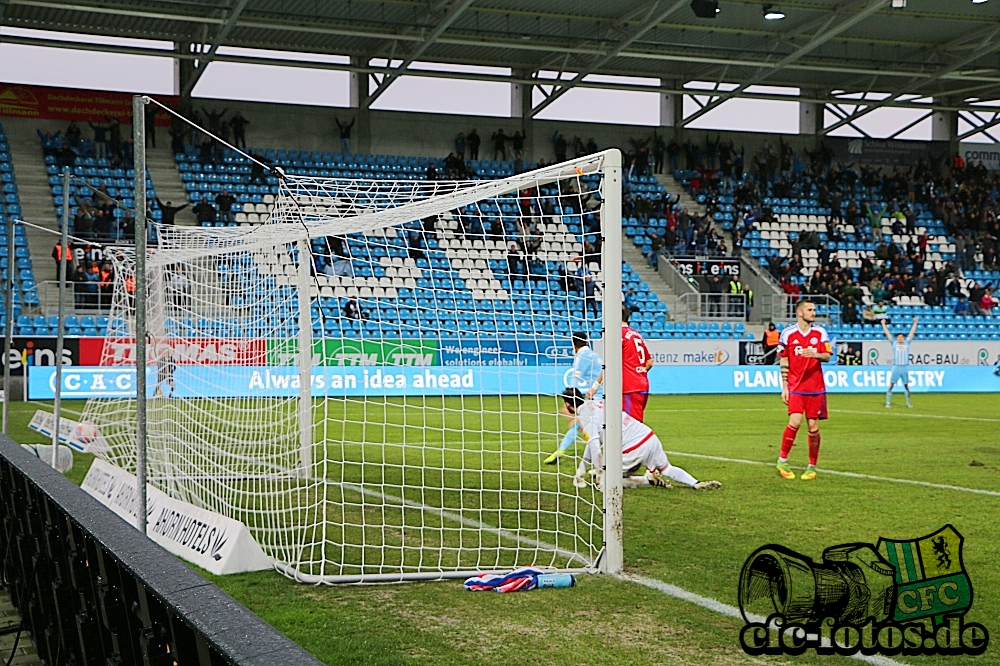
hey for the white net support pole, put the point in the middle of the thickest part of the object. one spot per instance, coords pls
(611, 223)
(304, 285)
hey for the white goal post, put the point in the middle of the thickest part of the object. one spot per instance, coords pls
(370, 380)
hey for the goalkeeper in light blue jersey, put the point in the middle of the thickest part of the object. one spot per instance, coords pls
(587, 367)
(900, 362)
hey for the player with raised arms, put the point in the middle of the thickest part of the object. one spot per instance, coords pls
(641, 448)
(900, 362)
(636, 364)
(803, 349)
(587, 368)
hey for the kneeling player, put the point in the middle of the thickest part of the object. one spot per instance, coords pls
(641, 448)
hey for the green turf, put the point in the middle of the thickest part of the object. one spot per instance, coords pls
(697, 541)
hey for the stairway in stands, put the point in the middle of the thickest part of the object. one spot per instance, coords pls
(163, 170)
(651, 277)
(35, 193)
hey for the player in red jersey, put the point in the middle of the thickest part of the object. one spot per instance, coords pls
(636, 363)
(803, 349)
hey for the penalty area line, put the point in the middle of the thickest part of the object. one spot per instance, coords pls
(729, 611)
(852, 475)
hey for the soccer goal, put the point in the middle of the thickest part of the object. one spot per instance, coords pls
(370, 379)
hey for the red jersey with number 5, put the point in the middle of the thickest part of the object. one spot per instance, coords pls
(805, 375)
(635, 354)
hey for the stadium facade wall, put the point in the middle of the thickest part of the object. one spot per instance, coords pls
(302, 127)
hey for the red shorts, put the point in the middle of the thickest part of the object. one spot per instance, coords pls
(634, 404)
(813, 406)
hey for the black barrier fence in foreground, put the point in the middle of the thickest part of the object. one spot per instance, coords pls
(92, 591)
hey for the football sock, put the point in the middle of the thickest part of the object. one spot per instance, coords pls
(570, 437)
(907, 394)
(680, 476)
(787, 440)
(813, 448)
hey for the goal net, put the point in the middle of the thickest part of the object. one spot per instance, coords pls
(370, 380)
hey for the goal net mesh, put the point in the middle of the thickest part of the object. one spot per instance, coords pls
(369, 381)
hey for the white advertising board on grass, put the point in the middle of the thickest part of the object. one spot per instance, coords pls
(214, 542)
(85, 438)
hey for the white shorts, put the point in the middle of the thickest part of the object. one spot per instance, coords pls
(900, 373)
(648, 454)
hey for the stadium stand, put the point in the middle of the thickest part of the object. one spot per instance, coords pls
(470, 264)
(863, 239)
(25, 294)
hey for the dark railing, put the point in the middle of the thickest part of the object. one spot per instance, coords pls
(92, 591)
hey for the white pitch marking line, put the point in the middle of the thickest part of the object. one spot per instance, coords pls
(917, 416)
(729, 611)
(853, 475)
(836, 411)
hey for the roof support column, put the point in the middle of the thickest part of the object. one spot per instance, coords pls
(944, 127)
(361, 133)
(183, 74)
(671, 106)
(810, 115)
(520, 108)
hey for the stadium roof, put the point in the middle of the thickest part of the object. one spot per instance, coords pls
(945, 49)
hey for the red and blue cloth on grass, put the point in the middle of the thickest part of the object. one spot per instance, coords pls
(515, 581)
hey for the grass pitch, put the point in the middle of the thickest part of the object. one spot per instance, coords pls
(695, 541)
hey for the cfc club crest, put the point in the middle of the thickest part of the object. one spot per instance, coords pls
(905, 597)
(930, 576)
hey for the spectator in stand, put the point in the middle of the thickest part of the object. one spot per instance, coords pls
(57, 254)
(114, 135)
(432, 173)
(224, 200)
(107, 286)
(168, 210)
(79, 280)
(352, 309)
(150, 118)
(214, 119)
(559, 145)
(93, 286)
(517, 142)
(205, 212)
(656, 245)
(345, 134)
(415, 248)
(257, 167)
(629, 300)
(239, 126)
(715, 288)
(128, 224)
(515, 262)
(850, 312)
(73, 136)
(65, 157)
(101, 139)
(500, 145)
(473, 141)
(196, 133)
(976, 293)
(987, 302)
(460, 145)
